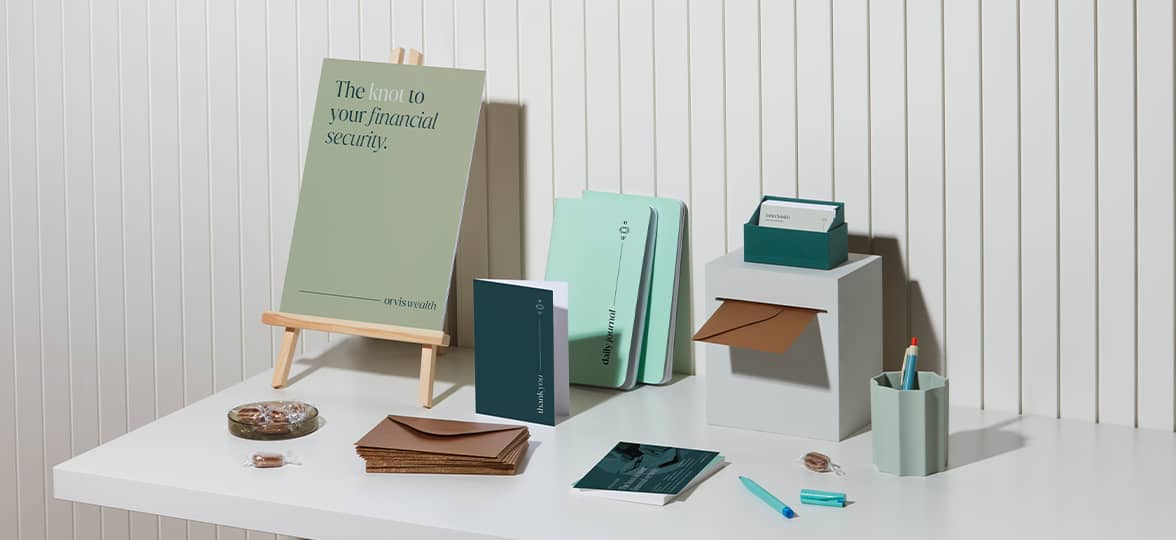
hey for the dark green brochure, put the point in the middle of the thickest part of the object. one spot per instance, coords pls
(648, 473)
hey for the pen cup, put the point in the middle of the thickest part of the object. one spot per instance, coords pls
(909, 426)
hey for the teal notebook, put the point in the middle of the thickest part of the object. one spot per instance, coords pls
(647, 473)
(602, 250)
(521, 358)
(661, 316)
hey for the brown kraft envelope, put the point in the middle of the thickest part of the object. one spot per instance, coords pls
(752, 325)
(451, 437)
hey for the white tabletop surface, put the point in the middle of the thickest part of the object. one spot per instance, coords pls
(1011, 477)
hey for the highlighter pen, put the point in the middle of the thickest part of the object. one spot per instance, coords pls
(768, 498)
(910, 370)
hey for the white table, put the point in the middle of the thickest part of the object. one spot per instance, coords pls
(1011, 477)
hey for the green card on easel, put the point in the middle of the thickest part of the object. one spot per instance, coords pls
(382, 192)
(380, 208)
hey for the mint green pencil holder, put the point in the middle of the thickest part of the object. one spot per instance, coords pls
(909, 426)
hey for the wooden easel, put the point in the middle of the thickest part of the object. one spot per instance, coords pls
(432, 342)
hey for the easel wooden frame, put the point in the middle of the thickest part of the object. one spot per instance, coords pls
(432, 342)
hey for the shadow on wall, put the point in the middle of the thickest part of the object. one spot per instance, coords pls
(903, 307)
(504, 189)
(494, 221)
(491, 240)
(803, 364)
(684, 361)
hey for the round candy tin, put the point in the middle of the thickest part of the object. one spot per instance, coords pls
(273, 420)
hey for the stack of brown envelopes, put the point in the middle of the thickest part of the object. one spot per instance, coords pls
(407, 444)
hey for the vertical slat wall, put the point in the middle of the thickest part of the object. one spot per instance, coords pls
(82, 333)
(1000, 202)
(1078, 211)
(1039, 208)
(708, 147)
(1117, 183)
(1011, 159)
(963, 330)
(888, 160)
(1156, 222)
(925, 178)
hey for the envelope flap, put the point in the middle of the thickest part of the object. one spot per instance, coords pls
(761, 327)
(448, 428)
(734, 314)
(430, 436)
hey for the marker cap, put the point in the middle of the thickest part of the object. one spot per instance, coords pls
(822, 498)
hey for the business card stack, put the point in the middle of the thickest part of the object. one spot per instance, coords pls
(796, 215)
(406, 444)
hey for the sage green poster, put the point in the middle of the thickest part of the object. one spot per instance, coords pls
(382, 193)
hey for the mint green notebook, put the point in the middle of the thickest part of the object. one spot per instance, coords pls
(602, 250)
(657, 355)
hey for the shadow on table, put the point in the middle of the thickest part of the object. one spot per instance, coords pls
(583, 398)
(384, 358)
(685, 495)
(531, 446)
(967, 447)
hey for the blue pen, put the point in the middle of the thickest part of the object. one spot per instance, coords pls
(910, 370)
(768, 498)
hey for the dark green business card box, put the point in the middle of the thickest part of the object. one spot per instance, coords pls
(787, 247)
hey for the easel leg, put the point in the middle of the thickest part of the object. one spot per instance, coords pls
(285, 357)
(428, 370)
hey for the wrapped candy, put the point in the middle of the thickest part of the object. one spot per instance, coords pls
(269, 460)
(818, 462)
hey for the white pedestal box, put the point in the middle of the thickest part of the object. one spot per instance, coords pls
(773, 367)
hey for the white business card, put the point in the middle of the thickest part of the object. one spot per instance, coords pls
(797, 216)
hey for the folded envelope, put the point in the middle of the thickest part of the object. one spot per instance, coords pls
(751, 325)
(411, 444)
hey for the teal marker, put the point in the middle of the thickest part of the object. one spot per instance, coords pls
(768, 498)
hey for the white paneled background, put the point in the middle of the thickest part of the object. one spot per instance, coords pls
(1012, 160)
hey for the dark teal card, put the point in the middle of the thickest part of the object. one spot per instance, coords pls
(647, 468)
(520, 364)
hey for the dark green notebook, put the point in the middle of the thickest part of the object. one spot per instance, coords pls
(521, 358)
